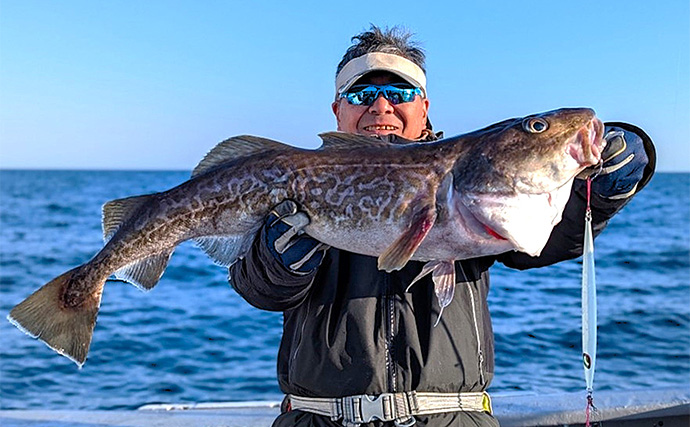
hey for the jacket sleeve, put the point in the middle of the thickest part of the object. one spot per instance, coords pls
(264, 282)
(566, 240)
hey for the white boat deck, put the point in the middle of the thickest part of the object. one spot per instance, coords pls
(667, 408)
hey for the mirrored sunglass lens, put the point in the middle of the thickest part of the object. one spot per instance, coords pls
(357, 98)
(409, 94)
(353, 98)
(394, 96)
(367, 95)
(364, 96)
(398, 95)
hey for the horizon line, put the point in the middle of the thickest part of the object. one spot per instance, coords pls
(63, 169)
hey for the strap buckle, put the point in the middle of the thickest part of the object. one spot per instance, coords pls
(364, 408)
(401, 408)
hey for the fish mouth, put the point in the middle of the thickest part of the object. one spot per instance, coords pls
(582, 149)
(588, 143)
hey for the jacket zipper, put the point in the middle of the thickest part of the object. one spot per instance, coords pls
(390, 361)
(480, 354)
(394, 379)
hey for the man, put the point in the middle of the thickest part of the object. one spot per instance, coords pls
(351, 330)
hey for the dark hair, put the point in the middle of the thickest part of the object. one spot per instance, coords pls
(394, 40)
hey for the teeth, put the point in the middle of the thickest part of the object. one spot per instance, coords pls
(380, 127)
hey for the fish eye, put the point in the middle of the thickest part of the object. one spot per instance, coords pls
(535, 125)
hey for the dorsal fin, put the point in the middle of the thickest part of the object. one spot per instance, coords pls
(234, 148)
(116, 212)
(350, 140)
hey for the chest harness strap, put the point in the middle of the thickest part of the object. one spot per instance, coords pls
(399, 407)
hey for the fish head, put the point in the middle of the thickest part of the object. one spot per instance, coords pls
(513, 179)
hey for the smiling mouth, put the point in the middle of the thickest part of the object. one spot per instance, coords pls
(374, 128)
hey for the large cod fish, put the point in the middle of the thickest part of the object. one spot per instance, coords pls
(494, 190)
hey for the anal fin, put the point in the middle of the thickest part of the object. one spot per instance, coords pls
(145, 273)
(223, 250)
(399, 252)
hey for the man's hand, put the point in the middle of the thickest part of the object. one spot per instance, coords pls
(287, 242)
(624, 160)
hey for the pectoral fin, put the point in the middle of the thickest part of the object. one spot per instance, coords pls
(397, 254)
(444, 285)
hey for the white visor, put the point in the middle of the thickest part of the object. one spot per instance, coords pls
(379, 61)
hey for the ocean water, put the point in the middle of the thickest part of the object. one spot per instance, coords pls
(192, 338)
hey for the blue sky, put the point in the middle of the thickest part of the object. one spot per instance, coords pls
(156, 84)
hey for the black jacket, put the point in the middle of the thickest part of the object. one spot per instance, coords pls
(350, 328)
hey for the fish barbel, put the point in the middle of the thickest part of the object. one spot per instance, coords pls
(494, 190)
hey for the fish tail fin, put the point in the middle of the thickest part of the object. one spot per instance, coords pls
(66, 327)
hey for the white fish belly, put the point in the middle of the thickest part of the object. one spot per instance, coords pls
(365, 241)
(449, 240)
(452, 241)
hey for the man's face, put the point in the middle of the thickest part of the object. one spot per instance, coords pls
(407, 119)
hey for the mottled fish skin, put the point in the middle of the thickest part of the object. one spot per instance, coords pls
(334, 187)
(395, 201)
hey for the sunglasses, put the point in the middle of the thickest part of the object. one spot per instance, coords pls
(367, 94)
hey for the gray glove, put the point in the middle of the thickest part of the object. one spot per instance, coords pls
(285, 238)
